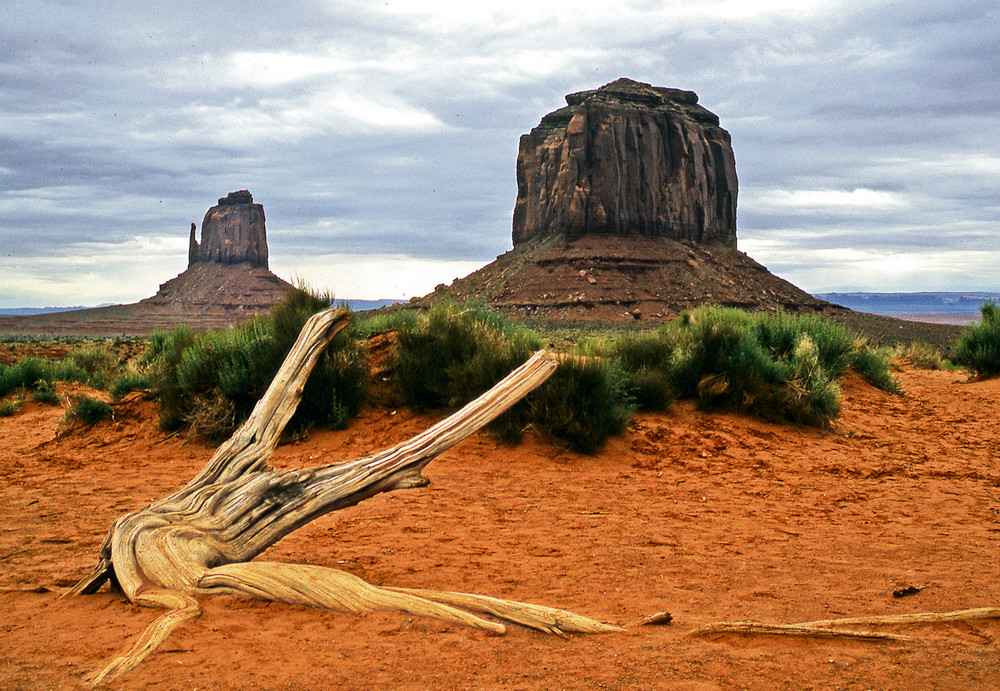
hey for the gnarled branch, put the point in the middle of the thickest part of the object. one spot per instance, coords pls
(199, 540)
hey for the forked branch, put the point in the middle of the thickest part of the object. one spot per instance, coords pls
(199, 540)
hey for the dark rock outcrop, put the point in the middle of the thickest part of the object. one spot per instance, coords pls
(627, 159)
(193, 246)
(233, 232)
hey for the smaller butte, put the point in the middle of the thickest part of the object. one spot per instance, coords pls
(227, 281)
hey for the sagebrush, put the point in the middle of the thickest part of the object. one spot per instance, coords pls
(978, 348)
(211, 381)
(775, 365)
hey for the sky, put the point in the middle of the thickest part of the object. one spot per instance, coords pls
(381, 137)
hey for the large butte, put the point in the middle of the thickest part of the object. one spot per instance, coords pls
(626, 210)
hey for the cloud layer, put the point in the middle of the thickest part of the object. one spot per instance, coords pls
(384, 135)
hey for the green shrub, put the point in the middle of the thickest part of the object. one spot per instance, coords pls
(33, 372)
(336, 389)
(451, 355)
(920, 355)
(163, 358)
(212, 381)
(978, 347)
(47, 396)
(875, 365)
(45, 392)
(99, 364)
(398, 319)
(131, 382)
(582, 404)
(25, 373)
(778, 366)
(779, 334)
(8, 408)
(810, 394)
(649, 388)
(90, 410)
(644, 350)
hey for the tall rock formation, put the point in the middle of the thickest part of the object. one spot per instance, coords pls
(626, 210)
(227, 281)
(627, 159)
(232, 232)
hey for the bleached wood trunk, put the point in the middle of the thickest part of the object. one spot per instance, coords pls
(201, 539)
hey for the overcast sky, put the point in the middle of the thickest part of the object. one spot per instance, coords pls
(381, 137)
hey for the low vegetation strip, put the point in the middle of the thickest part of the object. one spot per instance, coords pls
(775, 365)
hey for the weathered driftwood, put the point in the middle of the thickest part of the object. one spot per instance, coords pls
(915, 618)
(201, 539)
(830, 628)
(753, 627)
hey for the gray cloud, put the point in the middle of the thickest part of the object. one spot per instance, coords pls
(391, 129)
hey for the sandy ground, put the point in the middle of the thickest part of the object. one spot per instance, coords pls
(712, 517)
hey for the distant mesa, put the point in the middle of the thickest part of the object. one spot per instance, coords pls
(626, 210)
(227, 281)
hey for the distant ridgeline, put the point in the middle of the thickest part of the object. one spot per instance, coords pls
(966, 304)
(354, 305)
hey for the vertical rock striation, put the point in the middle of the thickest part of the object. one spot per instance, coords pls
(232, 233)
(627, 159)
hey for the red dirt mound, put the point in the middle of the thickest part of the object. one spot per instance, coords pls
(712, 517)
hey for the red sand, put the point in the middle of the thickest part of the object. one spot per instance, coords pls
(712, 517)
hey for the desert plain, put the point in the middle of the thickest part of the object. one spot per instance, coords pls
(712, 517)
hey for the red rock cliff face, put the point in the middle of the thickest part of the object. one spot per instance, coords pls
(232, 232)
(627, 159)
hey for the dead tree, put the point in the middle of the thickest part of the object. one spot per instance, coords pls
(201, 539)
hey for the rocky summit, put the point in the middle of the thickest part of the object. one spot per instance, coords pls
(232, 232)
(626, 210)
(627, 159)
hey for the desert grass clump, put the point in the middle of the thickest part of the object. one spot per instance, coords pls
(381, 321)
(875, 365)
(32, 373)
(211, 381)
(453, 353)
(920, 355)
(128, 383)
(778, 366)
(23, 374)
(810, 394)
(582, 404)
(163, 358)
(45, 392)
(98, 362)
(89, 410)
(643, 359)
(779, 334)
(9, 407)
(978, 347)
(649, 388)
